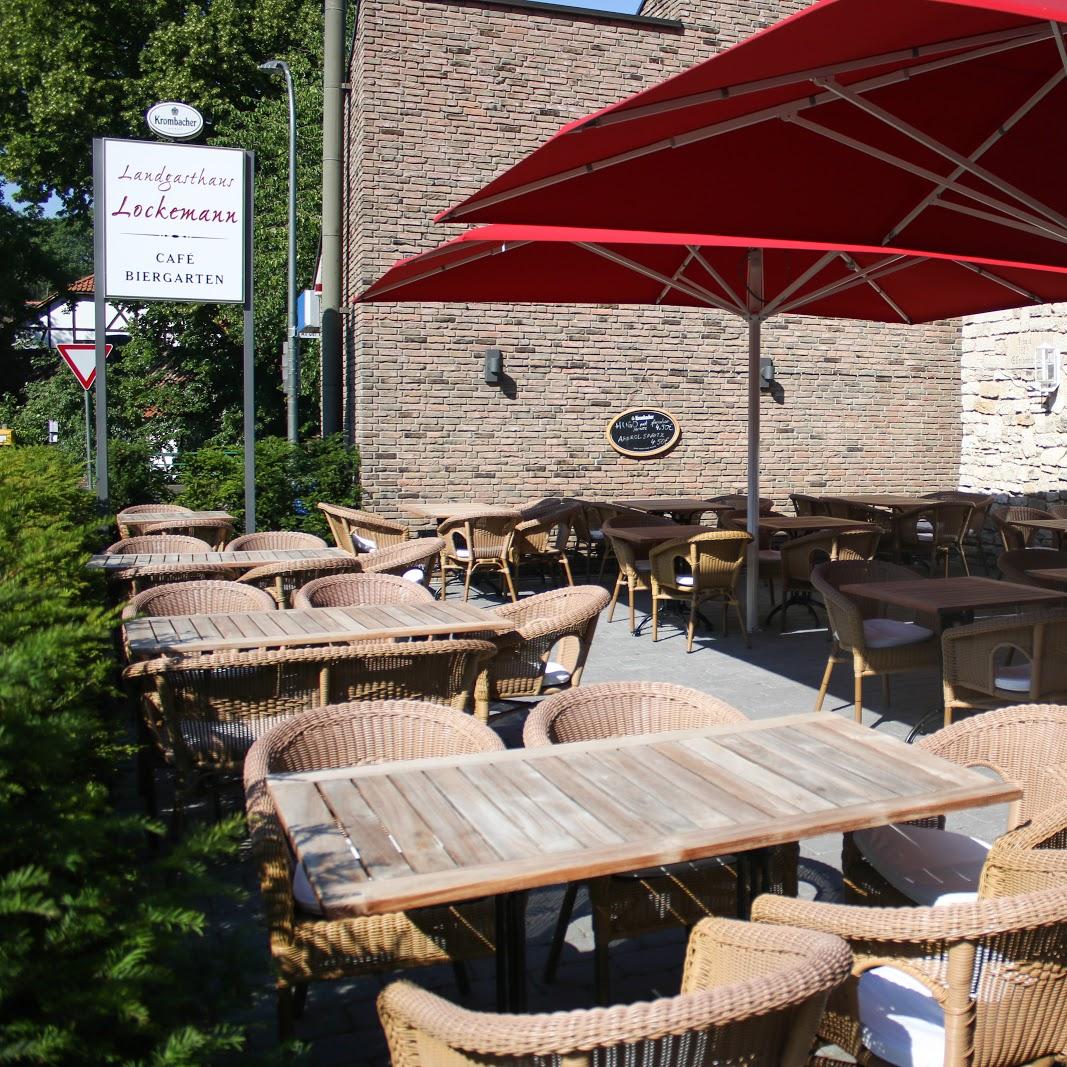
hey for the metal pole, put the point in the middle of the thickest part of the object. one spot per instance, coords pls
(249, 361)
(332, 110)
(100, 320)
(755, 304)
(290, 332)
(88, 443)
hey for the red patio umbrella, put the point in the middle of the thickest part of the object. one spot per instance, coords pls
(753, 279)
(934, 124)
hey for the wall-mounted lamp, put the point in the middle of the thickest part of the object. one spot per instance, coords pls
(766, 373)
(494, 366)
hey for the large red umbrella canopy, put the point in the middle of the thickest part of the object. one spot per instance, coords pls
(564, 265)
(933, 124)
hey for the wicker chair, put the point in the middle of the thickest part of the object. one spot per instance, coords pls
(360, 531)
(547, 650)
(1028, 859)
(198, 598)
(770, 557)
(1025, 745)
(1058, 511)
(748, 998)
(981, 504)
(634, 573)
(1016, 537)
(126, 583)
(1015, 565)
(356, 590)
(703, 567)
(544, 539)
(478, 541)
(678, 895)
(127, 522)
(274, 539)
(414, 559)
(807, 505)
(537, 509)
(931, 531)
(1004, 660)
(205, 712)
(306, 947)
(965, 985)
(876, 646)
(215, 531)
(797, 558)
(158, 543)
(587, 525)
(281, 580)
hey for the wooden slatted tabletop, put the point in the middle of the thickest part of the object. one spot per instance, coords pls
(394, 836)
(131, 562)
(952, 595)
(649, 536)
(664, 505)
(169, 635)
(1049, 574)
(453, 509)
(892, 501)
(146, 518)
(810, 522)
(1060, 525)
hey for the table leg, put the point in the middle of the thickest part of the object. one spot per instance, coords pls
(753, 878)
(511, 952)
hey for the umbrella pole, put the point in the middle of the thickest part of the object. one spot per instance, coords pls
(755, 302)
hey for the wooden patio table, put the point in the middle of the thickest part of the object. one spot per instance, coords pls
(139, 519)
(809, 523)
(397, 836)
(890, 501)
(646, 537)
(1049, 574)
(128, 564)
(171, 635)
(1059, 525)
(952, 600)
(679, 507)
(453, 509)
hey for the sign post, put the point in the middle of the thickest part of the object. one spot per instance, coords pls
(173, 223)
(81, 360)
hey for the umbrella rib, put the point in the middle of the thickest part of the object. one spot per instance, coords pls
(884, 267)
(934, 178)
(789, 290)
(881, 292)
(891, 120)
(986, 216)
(478, 253)
(999, 280)
(677, 274)
(689, 288)
(717, 277)
(998, 134)
(702, 133)
(1019, 36)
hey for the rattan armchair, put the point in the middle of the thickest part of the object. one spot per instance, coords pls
(544, 539)
(770, 557)
(536, 509)
(678, 895)
(414, 559)
(634, 573)
(932, 531)
(215, 531)
(696, 569)
(282, 579)
(547, 650)
(981, 504)
(206, 711)
(875, 645)
(1016, 537)
(198, 598)
(360, 531)
(357, 590)
(803, 504)
(1004, 660)
(963, 985)
(268, 540)
(127, 521)
(587, 525)
(157, 543)
(475, 542)
(1025, 745)
(1020, 564)
(305, 946)
(1028, 859)
(749, 998)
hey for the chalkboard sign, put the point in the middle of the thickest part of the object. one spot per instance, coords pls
(642, 432)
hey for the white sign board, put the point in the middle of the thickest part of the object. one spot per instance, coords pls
(174, 222)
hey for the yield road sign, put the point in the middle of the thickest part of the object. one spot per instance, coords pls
(82, 361)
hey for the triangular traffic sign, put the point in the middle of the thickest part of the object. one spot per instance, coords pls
(82, 361)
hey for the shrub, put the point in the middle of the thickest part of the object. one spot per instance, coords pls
(95, 955)
(290, 481)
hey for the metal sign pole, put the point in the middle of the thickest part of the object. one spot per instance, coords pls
(88, 443)
(249, 361)
(100, 320)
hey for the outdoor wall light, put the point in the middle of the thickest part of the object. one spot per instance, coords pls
(766, 373)
(494, 366)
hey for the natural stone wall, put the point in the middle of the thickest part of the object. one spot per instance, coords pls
(444, 96)
(1014, 439)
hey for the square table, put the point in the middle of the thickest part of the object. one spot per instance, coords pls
(1049, 574)
(453, 509)
(677, 506)
(127, 565)
(889, 501)
(810, 523)
(646, 537)
(139, 519)
(395, 836)
(172, 635)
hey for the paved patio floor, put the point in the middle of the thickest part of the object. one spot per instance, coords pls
(779, 675)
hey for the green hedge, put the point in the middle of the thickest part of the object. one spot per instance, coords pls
(290, 481)
(99, 960)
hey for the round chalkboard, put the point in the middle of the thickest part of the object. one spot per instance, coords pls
(643, 432)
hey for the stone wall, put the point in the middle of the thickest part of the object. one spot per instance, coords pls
(444, 96)
(1014, 430)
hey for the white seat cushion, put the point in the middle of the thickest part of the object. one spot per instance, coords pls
(922, 862)
(899, 1019)
(462, 553)
(365, 543)
(683, 581)
(596, 535)
(893, 633)
(1014, 679)
(924, 530)
(556, 674)
(303, 894)
(643, 565)
(415, 574)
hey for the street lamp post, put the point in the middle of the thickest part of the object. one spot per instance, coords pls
(278, 66)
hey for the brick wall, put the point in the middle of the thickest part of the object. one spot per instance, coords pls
(447, 94)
